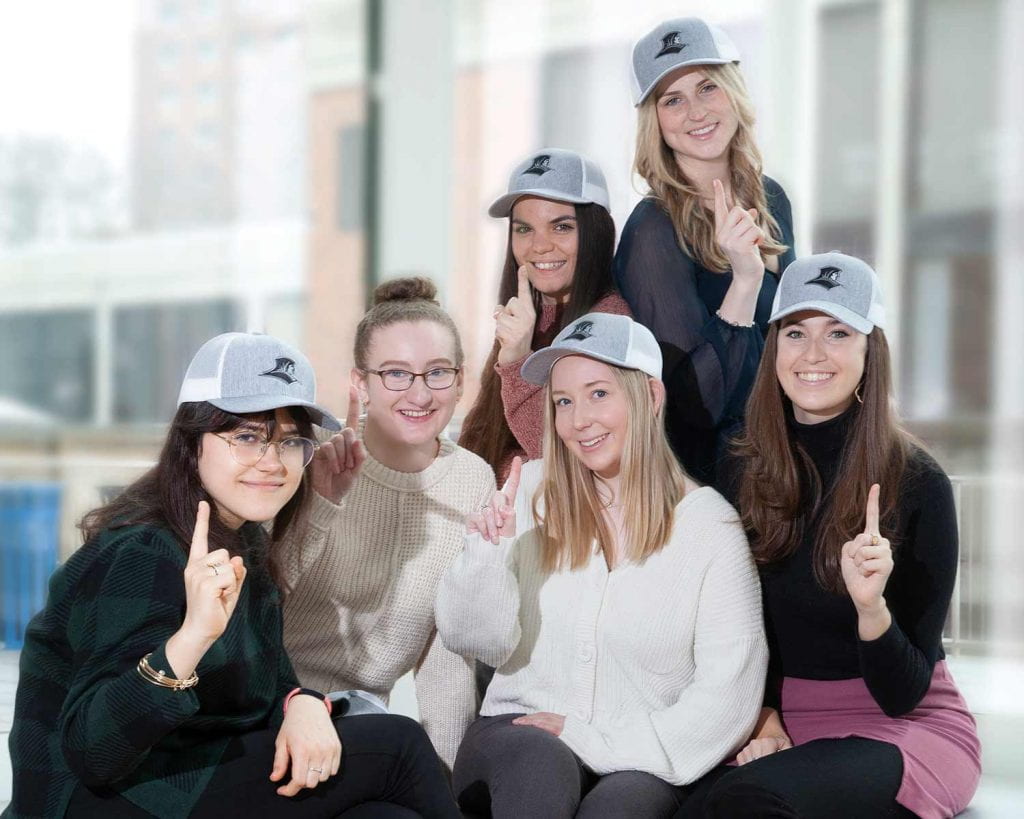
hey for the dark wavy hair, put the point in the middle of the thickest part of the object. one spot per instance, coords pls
(780, 490)
(485, 430)
(168, 495)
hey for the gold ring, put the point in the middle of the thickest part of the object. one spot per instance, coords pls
(874, 540)
(214, 566)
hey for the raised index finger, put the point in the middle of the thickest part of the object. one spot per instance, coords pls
(512, 482)
(352, 419)
(721, 208)
(871, 518)
(200, 546)
(524, 285)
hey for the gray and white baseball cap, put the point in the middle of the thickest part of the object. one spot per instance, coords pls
(249, 372)
(554, 173)
(606, 337)
(673, 44)
(842, 286)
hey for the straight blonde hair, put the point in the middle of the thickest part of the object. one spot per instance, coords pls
(572, 526)
(695, 224)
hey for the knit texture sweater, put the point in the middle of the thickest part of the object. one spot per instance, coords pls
(657, 667)
(84, 714)
(523, 401)
(363, 577)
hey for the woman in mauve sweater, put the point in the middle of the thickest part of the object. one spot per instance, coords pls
(558, 265)
(624, 619)
(386, 520)
(854, 527)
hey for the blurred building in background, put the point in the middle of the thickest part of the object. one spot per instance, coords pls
(285, 157)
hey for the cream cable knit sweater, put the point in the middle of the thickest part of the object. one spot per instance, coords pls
(657, 667)
(360, 613)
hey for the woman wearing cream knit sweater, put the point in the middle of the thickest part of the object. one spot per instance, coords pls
(624, 619)
(387, 519)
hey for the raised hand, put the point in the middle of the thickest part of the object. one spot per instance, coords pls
(739, 236)
(213, 581)
(867, 561)
(338, 461)
(514, 323)
(497, 519)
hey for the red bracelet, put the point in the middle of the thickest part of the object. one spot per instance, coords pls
(296, 691)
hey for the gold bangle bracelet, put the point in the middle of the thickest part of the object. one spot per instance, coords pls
(148, 673)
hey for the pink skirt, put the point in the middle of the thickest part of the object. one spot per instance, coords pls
(938, 739)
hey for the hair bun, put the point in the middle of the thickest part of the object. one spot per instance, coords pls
(411, 288)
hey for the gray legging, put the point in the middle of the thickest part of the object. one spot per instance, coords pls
(517, 771)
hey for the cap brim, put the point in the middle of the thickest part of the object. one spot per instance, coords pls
(262, 403)
(503, 204)
(837, 311)
(537, 368)
(701, 61)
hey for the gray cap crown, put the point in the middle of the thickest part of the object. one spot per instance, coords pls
(673, 44)
(606, 337)
(249, 372)
(842, 286)
(554, 173)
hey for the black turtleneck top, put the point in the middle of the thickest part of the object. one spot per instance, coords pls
(812, 633)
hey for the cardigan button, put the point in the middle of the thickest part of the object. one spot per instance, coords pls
(586, 653)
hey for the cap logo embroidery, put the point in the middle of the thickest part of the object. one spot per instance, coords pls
(828, 277)
(670, 44)
(284, 368)
(540, 166)
(582, 331)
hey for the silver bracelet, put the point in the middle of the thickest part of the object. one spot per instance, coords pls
(731, 323)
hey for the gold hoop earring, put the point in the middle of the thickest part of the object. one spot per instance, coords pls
(856, 394)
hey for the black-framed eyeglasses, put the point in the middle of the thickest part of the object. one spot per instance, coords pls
(438, 378)
(248, 448)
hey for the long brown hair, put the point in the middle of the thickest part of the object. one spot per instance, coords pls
(168, 495)
(695, 224)
(652, 484)
(485, 430)
(780, 490)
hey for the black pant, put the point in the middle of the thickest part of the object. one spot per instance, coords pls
(388, 769)
(829, 778)
(521, 772)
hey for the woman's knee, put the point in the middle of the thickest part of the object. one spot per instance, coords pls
(740, 794)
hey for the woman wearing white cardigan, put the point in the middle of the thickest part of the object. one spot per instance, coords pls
(624, 619)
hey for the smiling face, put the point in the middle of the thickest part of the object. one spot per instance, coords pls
(696, 117)
(819, 363)
(591, 413)
(243, 493)
(545, 239)
(399, 419)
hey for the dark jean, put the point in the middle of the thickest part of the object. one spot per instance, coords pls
(388, 769)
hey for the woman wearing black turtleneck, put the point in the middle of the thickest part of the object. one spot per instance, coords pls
(854, 527)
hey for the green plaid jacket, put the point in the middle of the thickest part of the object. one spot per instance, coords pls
(83, 714)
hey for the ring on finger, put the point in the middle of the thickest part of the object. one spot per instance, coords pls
(318, 770)
(874, 540)
(215, 567)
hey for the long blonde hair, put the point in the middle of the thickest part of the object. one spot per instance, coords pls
(695, 224)
(652, 483)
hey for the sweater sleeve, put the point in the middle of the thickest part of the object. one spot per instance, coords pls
(524, 407)
(478, 602)
(305, 542)
(446, 695)
(897, 667)
(709, 365)
(124, 610)
(715, 713)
